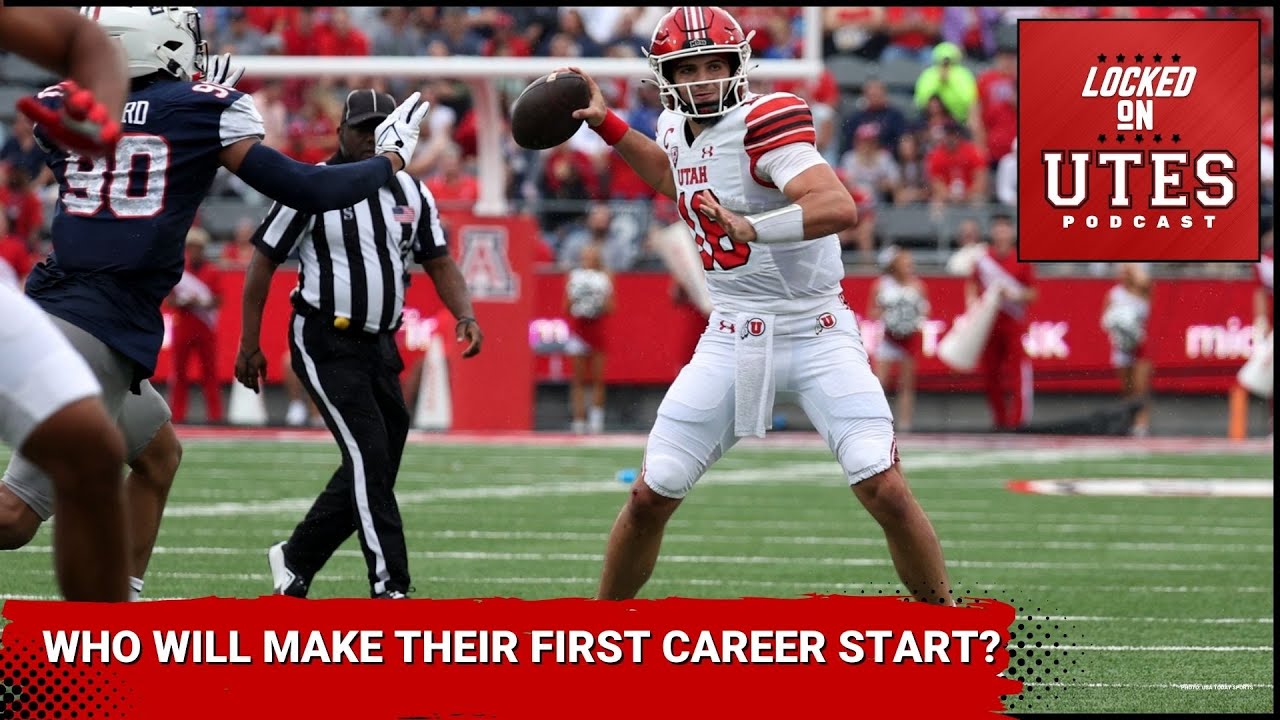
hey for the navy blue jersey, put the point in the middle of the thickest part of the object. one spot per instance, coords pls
(120, 225)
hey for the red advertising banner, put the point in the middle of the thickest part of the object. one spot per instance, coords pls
(1199, 335)
(506, 659)
(1138, 140)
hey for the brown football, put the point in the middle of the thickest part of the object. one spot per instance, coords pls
(542, 117)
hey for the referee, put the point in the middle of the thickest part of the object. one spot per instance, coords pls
(347, 305)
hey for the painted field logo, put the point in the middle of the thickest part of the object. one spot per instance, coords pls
(1138, 140)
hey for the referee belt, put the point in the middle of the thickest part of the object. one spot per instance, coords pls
(337, 323)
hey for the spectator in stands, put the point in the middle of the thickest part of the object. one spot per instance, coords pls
(969, 246)
(1267, 167)
(454, 34)
(21, 150)
(305, 33)
(1124, 317)
(869, 165)
(314, 132)
(1006, 368)
(931, 127)
(914, 186)
(393, 34)
(574, 30)
(240, 36)
(971, 28)
(949, 80)
(452, 185)
(16, 258)
(269, 99)
(342, 37)
(588, 300)
(237, 251)
(957, 171)
(912, 32)
(862, 236)
(994, 119)
(1007, 177)
(568, 178)
(874, 107)
(536, 24)
(21, 204)
(855, 30)
(901, 304)
(616, 247)
(507, 40)
(196, 298)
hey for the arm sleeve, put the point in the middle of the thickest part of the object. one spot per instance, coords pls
(781, 166)
(279, 232)
(312, 188)
(429, 242)
(240, 120)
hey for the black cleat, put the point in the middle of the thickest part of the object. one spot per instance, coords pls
(284, 580)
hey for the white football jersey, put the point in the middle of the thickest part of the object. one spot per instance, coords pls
(728, 159)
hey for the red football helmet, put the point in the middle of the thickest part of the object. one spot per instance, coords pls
(687, 31)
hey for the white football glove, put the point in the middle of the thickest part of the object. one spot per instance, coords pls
(399, 132)
(221, 72)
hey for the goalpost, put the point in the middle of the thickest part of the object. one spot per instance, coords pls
(481, 72)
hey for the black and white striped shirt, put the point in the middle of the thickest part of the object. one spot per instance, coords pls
(355, 260)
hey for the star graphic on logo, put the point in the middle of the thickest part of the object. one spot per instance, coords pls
(1177, 137)
(1158, 137)
(1138, 57)
(1119, 58)
(1102, 137)
(1177, 57)
(1137, 138)
(1156, 57)
(1120, 138)
(1102, 58)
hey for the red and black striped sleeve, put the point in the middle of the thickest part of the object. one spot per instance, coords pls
(778, 121)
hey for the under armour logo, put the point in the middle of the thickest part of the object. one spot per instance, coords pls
(726, 327)
(707, 152)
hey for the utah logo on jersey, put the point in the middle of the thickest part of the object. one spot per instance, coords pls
(486, 266)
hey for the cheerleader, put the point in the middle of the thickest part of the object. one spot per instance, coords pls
(1125, 320)
(588, 298)
(899, 301)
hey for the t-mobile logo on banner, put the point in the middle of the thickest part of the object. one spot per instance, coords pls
(1138, 140)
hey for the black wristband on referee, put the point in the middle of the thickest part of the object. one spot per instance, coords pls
(463, 320)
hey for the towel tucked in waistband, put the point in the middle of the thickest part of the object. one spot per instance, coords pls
(753, 385)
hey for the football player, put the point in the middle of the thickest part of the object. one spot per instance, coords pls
(764, 208)
(121, 222)
(50, 403)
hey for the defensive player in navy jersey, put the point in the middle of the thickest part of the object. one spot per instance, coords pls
(121, 222)
(50, 403)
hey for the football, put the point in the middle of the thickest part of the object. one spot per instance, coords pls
(542, 116)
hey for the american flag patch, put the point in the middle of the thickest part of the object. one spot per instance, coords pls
(403, 214)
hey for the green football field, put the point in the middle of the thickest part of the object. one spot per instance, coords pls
(1165, 601)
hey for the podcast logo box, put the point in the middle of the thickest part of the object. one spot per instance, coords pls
(1138, 140)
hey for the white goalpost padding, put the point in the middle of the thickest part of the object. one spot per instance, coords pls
(479, 72)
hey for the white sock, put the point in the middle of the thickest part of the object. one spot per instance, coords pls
(135, 589)
(595, 419)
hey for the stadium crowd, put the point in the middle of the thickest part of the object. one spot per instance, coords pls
(926, 160)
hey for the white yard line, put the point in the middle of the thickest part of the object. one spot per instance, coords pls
(1158, 686)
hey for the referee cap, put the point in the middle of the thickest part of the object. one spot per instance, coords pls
(365, 105)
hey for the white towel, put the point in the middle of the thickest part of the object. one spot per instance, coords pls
(753, 389)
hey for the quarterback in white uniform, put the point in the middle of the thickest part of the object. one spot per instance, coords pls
(764, 209)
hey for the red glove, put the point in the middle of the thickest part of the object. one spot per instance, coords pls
(82, 125)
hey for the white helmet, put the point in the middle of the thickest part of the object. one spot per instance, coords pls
(155, 39)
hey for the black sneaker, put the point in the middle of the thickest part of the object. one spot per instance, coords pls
(284, 580)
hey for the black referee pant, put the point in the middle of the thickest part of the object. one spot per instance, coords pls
(353, 377)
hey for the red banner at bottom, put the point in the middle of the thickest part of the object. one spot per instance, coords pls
(505, 659)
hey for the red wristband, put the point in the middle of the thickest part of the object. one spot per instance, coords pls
(612, 129)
